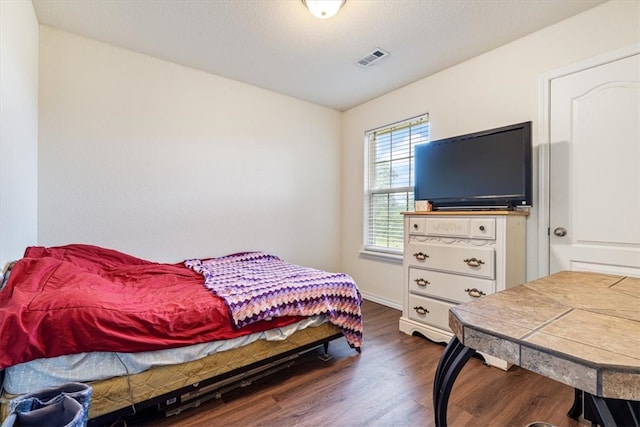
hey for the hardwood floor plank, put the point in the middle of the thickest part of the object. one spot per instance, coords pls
(388, 384)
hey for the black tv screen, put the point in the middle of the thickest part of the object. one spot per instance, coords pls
(488, 169)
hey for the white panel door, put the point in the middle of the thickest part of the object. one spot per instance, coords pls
(594, 169)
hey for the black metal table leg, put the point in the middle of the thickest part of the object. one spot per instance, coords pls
(600, 410)
(453, 359)
(608, 412)
(576, 409)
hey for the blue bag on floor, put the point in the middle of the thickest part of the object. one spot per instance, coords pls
(63, 406)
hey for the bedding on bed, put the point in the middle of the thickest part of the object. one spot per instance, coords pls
(81, 298)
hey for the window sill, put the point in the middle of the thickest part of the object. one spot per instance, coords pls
(390, 257)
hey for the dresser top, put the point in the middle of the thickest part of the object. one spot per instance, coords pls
(468, 212)
(582, 329)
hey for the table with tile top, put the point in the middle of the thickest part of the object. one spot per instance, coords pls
(579, 328)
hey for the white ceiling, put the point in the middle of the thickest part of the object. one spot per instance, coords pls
(278, 45)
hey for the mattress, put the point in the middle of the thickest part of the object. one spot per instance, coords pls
(119, 393)
(86, 367)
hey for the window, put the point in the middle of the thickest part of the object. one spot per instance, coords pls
(389, 181)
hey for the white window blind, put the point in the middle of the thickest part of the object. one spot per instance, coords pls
(389, 181)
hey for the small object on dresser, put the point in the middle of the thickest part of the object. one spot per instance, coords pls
(423, 206)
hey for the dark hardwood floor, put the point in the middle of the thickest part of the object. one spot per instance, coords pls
(388, 384)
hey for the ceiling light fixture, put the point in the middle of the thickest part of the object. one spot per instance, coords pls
(323, 8)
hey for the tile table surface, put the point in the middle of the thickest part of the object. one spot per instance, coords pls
(579, 328)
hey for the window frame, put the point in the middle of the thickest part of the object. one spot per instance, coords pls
(418, 123)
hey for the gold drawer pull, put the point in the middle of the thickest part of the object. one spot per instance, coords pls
(475, 293)
(473, 262)
(420, 256)
(421, 310)
(422, 282)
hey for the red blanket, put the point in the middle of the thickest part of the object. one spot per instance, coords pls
(81, 298)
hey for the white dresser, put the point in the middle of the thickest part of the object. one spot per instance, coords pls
(454, 257)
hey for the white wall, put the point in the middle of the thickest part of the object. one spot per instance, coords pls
(491, 90)
(167, 162)
(18, 128)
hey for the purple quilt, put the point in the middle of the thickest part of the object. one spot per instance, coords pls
(258, 286)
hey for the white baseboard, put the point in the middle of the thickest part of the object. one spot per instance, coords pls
(374, 298)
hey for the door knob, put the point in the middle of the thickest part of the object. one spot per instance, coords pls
(560, 231)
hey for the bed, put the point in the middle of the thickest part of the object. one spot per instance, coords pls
(168, 336)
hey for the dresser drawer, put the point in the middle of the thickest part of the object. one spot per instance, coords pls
(474, 228)
(417, 225)
(447, 227)
(471, 261)
(482, 228)
(429, 311)
(448, 286)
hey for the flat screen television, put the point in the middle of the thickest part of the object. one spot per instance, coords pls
(483, 170)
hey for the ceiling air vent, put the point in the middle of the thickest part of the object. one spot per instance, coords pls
(372, 57)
